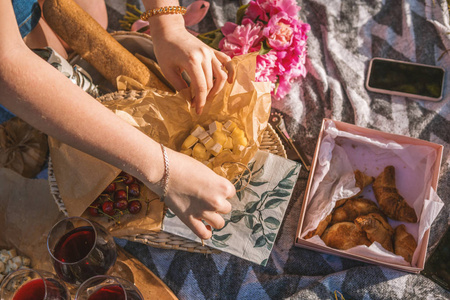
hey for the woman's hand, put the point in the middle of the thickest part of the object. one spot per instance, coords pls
(196, 193)
(177, 50)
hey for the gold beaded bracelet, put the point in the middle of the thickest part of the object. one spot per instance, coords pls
(163, 10)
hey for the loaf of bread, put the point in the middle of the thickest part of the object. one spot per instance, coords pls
(94, 44)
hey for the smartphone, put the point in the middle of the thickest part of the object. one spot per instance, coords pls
(437, 266)
(406, 79)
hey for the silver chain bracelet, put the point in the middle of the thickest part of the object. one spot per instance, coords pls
(164, 182)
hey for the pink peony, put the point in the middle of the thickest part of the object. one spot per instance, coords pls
(264, 9)
(272, 28)
(280, 31)
(241, 39)
(266, 67)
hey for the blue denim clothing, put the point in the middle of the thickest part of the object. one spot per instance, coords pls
(28, 14)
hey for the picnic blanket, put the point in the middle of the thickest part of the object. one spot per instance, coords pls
(344, 36)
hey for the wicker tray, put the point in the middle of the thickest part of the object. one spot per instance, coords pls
(160, 239)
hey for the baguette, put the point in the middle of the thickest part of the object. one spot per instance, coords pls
(94, 44)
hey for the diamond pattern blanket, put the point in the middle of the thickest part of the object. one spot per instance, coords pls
(344, 36)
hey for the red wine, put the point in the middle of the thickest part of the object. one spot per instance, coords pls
(109, 292)
(114, 292)
(35, 290)
(32, 290)
(82, 257)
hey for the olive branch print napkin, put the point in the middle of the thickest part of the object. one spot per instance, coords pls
(258, 209)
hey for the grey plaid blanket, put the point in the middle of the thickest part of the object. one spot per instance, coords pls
(344, 36)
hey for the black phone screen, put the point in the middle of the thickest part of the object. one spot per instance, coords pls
(437, 266)
(408, 78)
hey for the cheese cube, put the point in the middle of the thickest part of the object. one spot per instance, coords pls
(189, 142)
(17, 260)
(12, 252)
(220, 137)
(4, 255)
(214, 127)
(208, 142)
(229, 143)
(199, 152)
(240, 140)
(197, 130)
(26, 261)
(237, 133)
(203, 135)
(216, 149)
(229, 125)
(12, 266)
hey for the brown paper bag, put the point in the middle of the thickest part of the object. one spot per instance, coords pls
(167, 118)
(22, 148)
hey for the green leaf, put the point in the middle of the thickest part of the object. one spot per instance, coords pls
(239, 194)
(219, 244)
(264, 262)
(217, 38)
(257, 183)
(286, 183)
(251, 206)
(269, 246)
(273, 203)
(265, 48)
(222, 238)
(271, 236)
(249, 221)
(264, 195)
(236, 216)
(280, 193)
(247, 190)
(255, 173)
(260, 242)
(257, 228)
(240, 13)
(291, 172)
(272, 223)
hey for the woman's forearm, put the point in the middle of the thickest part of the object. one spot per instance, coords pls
(45, 98)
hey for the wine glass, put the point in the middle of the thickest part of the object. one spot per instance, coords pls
(29, 284)
(104, 287)
(79, 249)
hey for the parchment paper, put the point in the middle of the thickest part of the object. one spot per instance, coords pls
(27, 213)
(343, 152)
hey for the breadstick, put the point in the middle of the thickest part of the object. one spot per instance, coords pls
(93, 43)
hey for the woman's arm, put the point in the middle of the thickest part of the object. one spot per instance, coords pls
(177, 50)
(39, 94)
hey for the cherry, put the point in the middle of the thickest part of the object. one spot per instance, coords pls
(94, 209)
(134, 206)
(134, 190)
(121, 204)
(110, 188)
(120, 194)
(128, 179)
(108, 207)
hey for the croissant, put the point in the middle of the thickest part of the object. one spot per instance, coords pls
(390, 201)
(353, 208)
(320, 228)
(404, 243)
(344, 235)
(362, 180)
(377, 229)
